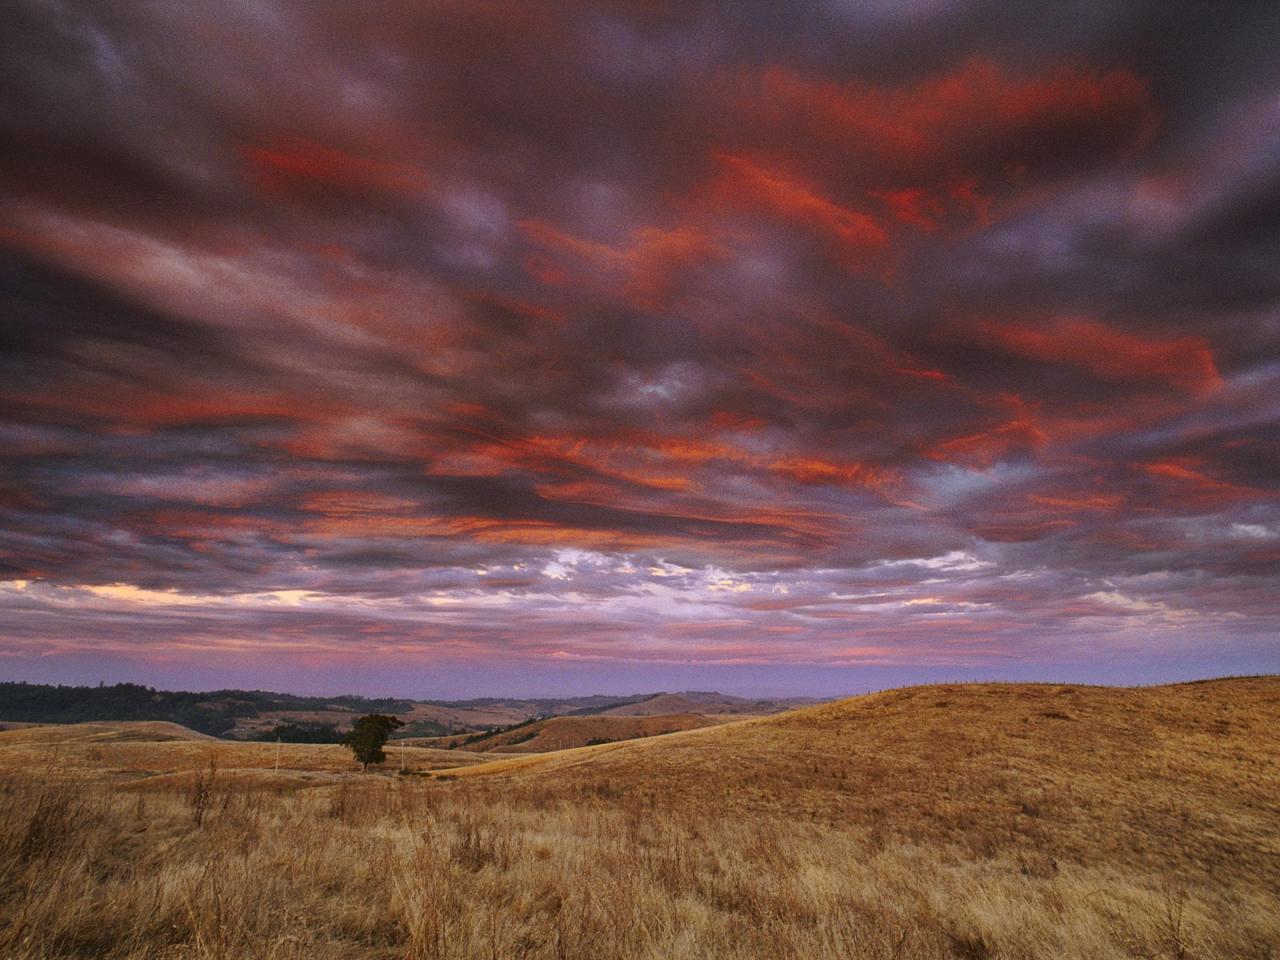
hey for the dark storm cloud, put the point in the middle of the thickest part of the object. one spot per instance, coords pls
(934, 333)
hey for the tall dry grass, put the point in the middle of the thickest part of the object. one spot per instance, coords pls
(404, 869)
(600, 865)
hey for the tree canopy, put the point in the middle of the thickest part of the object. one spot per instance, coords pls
(368, 737)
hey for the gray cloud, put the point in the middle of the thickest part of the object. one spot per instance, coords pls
(891, 336)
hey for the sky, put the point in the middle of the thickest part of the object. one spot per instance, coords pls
(465, 347)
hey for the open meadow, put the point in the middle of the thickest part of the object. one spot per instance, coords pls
(972, 821)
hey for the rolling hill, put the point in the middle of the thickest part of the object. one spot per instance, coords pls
(1183, 778)
(152, 752)
(958, 821)
(258, 714)
(705, 703)
(662, 703)
(562, 733)
(120, 731)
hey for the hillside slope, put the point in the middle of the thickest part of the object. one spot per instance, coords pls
(114, 731)
(933, 823)
(562, 733)
(1184, 776)
(662, 703)
(153, 751)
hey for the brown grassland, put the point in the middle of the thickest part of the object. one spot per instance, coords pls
(974, 821)
(561, 733)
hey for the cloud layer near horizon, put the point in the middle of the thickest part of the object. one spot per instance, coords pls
(459, 335)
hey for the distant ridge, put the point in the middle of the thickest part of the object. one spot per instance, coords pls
(704, 702)
(567, 732)
(257, 714)
(120, 731)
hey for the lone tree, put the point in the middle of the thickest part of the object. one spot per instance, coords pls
(367, 737)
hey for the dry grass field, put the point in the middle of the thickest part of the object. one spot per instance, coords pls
(976, 821)
(495, 715)
(146, 754)
(562, 733)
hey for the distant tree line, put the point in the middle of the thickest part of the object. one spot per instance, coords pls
(425, 728)
(547, 706)
(494, 731)
(214, 712)
(301, 732)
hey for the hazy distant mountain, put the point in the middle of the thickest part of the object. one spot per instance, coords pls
(697, 701)
(249, 714)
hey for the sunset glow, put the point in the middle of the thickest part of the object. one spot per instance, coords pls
(460, 348)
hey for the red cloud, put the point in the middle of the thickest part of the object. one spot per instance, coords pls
(978, 114)
(650, 263)
(143, 406)
(1099, 501)
(855, 232)
(985, 447)
(1181, 482)
(1015, 426)
(939, 150)
(1185, 363)
(913, 206)
(637, 460)
(815, 471)
(291, 165)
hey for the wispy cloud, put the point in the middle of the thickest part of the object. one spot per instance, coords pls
(471, 335)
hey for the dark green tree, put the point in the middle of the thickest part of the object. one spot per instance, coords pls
(368, 736)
